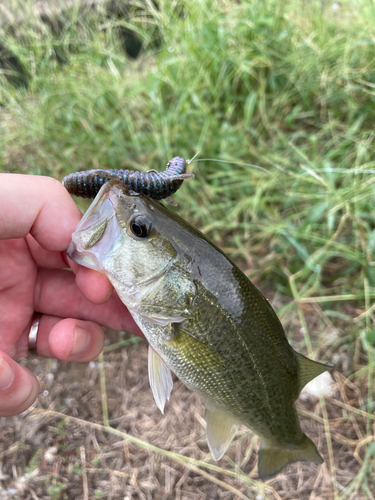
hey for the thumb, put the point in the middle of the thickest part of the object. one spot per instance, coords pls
(18, 387)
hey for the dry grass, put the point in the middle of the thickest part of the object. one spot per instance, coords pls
(61, 449)
(286, 85)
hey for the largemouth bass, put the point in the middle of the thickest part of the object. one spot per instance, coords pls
(204, 320)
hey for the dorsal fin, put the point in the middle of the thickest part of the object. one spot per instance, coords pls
(308, 370)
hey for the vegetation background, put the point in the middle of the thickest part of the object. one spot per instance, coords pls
(278, 97)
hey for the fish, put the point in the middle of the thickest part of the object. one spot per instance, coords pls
(205, 321)
(157, 185)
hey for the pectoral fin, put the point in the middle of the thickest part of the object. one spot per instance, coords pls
(221, 429)
(160, 378)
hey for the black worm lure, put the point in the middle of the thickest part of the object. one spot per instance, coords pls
(155, 185)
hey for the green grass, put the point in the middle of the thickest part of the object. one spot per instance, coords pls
(288, 86)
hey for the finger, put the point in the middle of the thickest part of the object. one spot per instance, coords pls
(44, 257)
(69, 339)
(40, 206)
(56, 294)
(95, 286)
(18, 387)
(74, 266)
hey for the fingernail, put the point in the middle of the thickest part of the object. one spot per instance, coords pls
(6, 374)
(82, 340)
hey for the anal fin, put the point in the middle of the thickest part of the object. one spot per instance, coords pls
(221, 429)
(160, 378)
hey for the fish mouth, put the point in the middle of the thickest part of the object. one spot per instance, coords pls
(72, 248)
(80, 258)
(104, 204)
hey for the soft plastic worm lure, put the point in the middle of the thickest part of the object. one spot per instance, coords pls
(156, 185)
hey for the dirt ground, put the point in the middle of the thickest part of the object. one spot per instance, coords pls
(56, 450)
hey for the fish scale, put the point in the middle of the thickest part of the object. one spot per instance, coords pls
(204, 320)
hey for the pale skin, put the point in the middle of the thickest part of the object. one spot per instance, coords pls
(37, 219)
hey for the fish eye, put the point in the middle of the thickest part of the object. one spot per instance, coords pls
(141, 226)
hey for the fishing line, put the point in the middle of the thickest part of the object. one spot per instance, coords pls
(257, 167)
(232, 163)
(192, 159)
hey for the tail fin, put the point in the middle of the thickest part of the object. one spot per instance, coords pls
(272, 460)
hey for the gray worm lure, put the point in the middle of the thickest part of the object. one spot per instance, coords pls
(155, 185)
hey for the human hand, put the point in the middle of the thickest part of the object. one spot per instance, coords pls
(37, 219)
